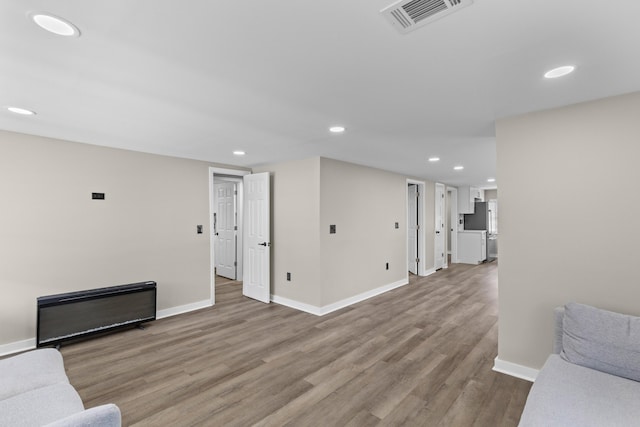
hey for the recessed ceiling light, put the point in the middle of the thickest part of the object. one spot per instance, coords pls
(22, 111)
(55, 25)
(559, 72)
(337, 129)
(239, 153)
(434, 159)
(491, 180)
(458, 168)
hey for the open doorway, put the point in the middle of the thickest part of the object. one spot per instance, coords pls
(226, 213)
(248, 224)
(226, 227)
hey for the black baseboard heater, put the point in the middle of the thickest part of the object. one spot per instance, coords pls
(77, 315)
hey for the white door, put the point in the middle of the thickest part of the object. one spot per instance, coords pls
(412, 228)
(439, 245)
(225, 230)
(453, 224)
(257, 237)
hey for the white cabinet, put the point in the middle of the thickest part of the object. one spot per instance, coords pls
(472, 246)
(466, 198)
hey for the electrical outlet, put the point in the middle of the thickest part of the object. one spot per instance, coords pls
(199, 229)
(288, 277)
(332, 229)
(397, 225)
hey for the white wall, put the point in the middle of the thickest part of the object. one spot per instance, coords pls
(578, 240)
(55, 239)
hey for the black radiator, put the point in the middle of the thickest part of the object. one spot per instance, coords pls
(76, 315)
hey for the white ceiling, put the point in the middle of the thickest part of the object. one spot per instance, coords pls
(201, 78)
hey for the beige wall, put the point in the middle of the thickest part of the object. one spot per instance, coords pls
(490, 195)
(55, 239)
(559, 245)
(364, 204)
(295, 238)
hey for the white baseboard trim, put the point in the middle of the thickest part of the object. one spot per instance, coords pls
(307, 308)
(363, 296)
(168, 312)
(321, 311)
(515, 370)
(17, 347)
(428, 272)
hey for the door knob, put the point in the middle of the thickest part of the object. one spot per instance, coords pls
(264, 244)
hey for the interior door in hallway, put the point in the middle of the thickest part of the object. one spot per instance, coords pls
(412, 228)
(226, 230)
(257, 237)
(439, 243)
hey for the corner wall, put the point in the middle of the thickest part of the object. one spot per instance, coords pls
(364, 204)
(578, 240)
(55, 239)
(330, 271)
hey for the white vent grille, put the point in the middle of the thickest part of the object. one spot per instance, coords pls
(407, 15)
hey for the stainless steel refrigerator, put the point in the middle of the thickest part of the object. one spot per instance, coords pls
(481, 220)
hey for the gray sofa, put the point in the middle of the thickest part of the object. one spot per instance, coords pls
(593, 376)
(35, 391)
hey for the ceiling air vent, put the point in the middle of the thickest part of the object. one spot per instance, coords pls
(407, 15)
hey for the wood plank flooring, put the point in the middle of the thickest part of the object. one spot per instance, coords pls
(420, 355)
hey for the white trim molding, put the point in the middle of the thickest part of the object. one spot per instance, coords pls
(326, 309)
(168, 312)
(428, 272)
(301, 306)
(17, 347)
(515, 370)
(363, 296)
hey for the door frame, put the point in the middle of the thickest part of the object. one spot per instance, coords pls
(238, 218)
(212, 265)
(435, 217)
(413, 192)
(422, 270)
(453, 223)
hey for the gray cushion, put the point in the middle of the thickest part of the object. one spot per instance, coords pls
(602, 340)
(31, 370)
(41, 406)
(558, 317)
(566, 395)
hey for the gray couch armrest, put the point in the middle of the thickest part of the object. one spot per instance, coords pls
(100, 416)
(558, 315)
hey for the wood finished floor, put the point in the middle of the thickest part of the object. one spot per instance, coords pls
(418, 355)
